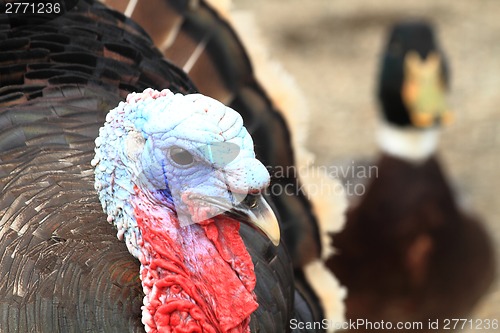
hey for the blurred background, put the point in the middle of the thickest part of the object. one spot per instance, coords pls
(332, 49)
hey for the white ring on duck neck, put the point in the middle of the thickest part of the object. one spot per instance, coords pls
(408, 143)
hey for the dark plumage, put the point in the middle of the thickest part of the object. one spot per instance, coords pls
(62, 268)
(409, 252)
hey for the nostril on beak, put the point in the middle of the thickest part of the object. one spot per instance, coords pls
(251, 200)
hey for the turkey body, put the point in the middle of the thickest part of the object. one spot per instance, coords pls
(61, 267)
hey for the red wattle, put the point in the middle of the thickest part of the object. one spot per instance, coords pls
(195, 278)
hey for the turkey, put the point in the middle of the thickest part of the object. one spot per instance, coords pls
(409, 252)
(198, 37)
(62, 268)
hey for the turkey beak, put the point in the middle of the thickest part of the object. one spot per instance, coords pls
(255, 211)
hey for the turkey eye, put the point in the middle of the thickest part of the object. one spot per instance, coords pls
(181, 156)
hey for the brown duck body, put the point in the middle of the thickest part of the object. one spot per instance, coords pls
(408, 252)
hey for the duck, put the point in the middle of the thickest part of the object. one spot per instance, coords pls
(409, 251)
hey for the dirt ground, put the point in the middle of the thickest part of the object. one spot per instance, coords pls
(332, 49)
